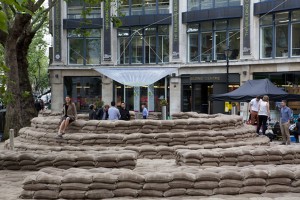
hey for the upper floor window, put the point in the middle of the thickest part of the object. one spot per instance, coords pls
(208, 4)
(279, 35)
(138, 45)
(208, 40)
(78, 8)
(84, 47)
(141, 7)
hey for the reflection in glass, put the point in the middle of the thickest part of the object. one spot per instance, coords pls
(93, 51)
(296, 15)
(296, 39)
(124, 7)
(76, 47)
(221, 3)
(150, 7)
(76, 8)
(220, 45)
(193, 47)
(137, 7)
(282, 40)
(266, 42)
(266, 19)
(234, 44)
(206, 46)
(150, 49)
(137, 49)
(163, 6)
(123, 50)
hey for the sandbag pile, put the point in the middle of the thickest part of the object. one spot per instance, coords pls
(107, 183)
(202, 122)
(241, 156)
(65, 160)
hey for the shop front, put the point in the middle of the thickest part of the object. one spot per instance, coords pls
(196, 89)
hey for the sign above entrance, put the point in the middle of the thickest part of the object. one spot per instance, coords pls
(138, 76)
(209, 78)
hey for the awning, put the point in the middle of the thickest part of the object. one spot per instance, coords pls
(138, 76)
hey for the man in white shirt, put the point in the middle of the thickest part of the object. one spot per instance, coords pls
(254, 105)
(113, 112)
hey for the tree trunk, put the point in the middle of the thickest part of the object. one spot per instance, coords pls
(28, 110)
(13, 108)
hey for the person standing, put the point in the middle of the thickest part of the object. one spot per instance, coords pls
(254, 110)
(125, 115)
(92, 112)
(145, 111)
(69, 116)
(113, 112)
(285, 116)
(102, 113)
(296, 130)
(263, 114)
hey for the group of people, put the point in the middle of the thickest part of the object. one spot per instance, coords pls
(260, 113)
(105, 113)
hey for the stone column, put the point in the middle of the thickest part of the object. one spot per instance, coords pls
(57, 90)
(107, 90)
(151, 97)
(175, 95)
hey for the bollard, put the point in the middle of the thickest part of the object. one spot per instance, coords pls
(11, 139)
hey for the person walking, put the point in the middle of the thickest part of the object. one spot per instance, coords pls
(69, 116)
(263, 114)
(113, 112)
(254, 103)
(285, 116)
(125, 115)
(102, 113)
(145, 111)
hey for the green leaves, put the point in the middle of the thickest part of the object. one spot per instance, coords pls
(3, 21)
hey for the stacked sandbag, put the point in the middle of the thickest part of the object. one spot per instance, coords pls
(176, 181)
(241, 156)
(65, 160)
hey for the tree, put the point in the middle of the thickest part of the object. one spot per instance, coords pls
(20, 20)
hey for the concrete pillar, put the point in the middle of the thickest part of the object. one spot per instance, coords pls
(107, 90)
(136, 93)
(57, 90)
(175, 95)
(151, 97)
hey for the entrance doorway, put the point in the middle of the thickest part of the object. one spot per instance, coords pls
(200, 96)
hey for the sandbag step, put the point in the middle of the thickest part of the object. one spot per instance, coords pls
(11, 160)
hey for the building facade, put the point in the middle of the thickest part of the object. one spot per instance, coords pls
(188, 35)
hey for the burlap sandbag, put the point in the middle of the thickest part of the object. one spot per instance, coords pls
(227, 190)
(278, 189)
(181, 184)
(255, 182)
(206, 184)
(124, 192)
(25, 194)
(77, 178)
(207, 176)
(158, 177)
(199, 192)
(108, 186)
(253, 189)
(99, 194)
(72, 194)
(281, 173)
(74, 186)
(130, 177)
(175, 192)
(35, 187)
(46, 194)
(127, 184)
(150, 193)
(279, 181)
(230, 183)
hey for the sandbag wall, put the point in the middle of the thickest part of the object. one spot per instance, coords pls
(37, 160)
(242, 156)
(107, 183)
(144, 151)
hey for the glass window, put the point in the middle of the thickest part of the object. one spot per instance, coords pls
(296, 15)
(234, 2)
(84, 47)
(150, 7)
(193, 28)
(266, 42)
(234, 24)
(234, 44)
(206, 4)
(296, 39)
(193, 5)
(282, 40)
(220, 45)
(193, 47)
(221, 3)
(220, 24)
(206, 46)
(137, 7)
(281, 17)
(76, 9)
(266, 20)
(163, 6)
(149, 45)
(84, 91)
(124, 7)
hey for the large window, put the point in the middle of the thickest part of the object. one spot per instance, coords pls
(84, 91)
(144, 7)
(279, 35)
(143, 45)
(208, 4)
(77, 7)
(207, 41)
(84, 47)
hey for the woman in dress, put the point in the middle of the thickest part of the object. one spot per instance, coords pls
(69, 116)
